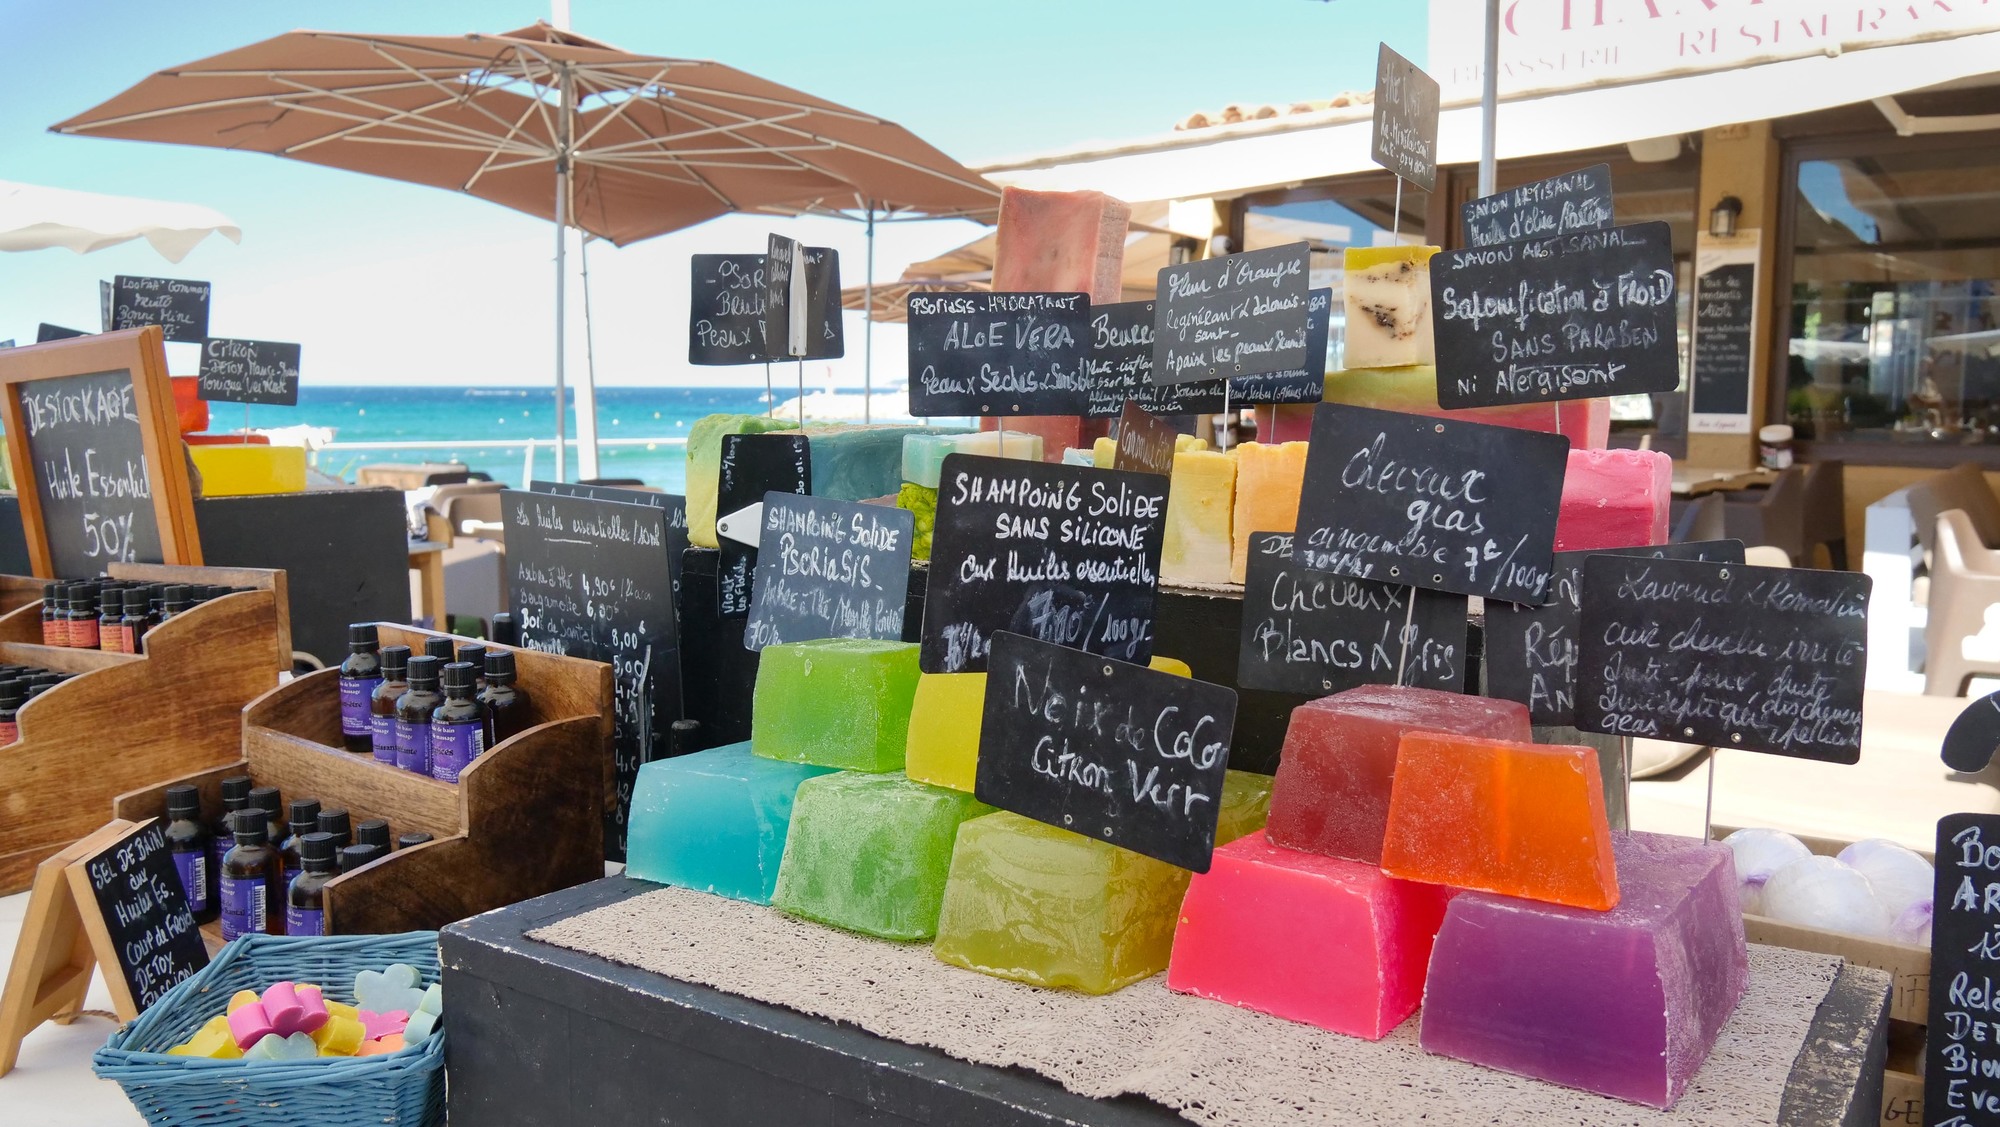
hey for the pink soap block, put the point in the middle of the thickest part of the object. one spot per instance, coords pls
(1614, 499)
(1332, 943)
(1061, 242)
(1331, 793)
(1625, 1003)
(374, 1025)
(249, 1024)
(292, 1010)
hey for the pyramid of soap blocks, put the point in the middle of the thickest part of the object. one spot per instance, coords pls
(1421, 851)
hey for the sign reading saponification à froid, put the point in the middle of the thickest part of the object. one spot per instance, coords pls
(829, 569)
(1406, 119)
(1120, 367)
(1572, 201)
(1434, 503)
(1238, 315)
(1574, 316)
(1104, 748)
(1063, 554)
(1763, 659)
(249, 371)
(999, 353)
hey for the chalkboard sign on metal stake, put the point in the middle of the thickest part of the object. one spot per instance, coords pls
(1145, 443)
(1306, 384)
(1237, 315)
(751, 466)
(1404, 138)
(1107, 749)
(829, 569)
(178, 306)
(1119, 367)
(249, 371)
(726, 308)
(999, 354)
(1960, 1087)
(1972, 738)
(1573, 201)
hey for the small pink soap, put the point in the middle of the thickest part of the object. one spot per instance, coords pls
(1316, 939)
(377, 1026)
(249, 1024)
(1614, 499)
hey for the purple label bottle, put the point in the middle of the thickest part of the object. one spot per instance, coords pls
(413, 716)
(246, 905)
(360, 676)
(354, 696)
(193, 869)
(382, 703)
(458, 726)
(304, 921)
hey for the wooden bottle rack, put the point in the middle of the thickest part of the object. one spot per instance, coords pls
(132, 719)
(524, 819)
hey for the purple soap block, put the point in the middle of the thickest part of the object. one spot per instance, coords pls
(1625, 1003)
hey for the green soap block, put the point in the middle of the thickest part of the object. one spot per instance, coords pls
(869, 853)
(834, 702)
(704, 466)
(860, 462)
(924, 455)
(923, 502)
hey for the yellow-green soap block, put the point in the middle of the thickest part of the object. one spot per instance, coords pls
(340, 1036)
(213, 1040)
(1042, 905)
(704, 466)
(921, 500)
(1200, 506)
(1104, 453)
(834, 702)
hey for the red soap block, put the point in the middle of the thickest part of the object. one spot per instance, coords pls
(1585, 422)
(1331, 943)
(1061, 242)
(1614, 499)
(1331, 793)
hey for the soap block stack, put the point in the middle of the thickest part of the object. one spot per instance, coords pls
(923, 463)
(704, 466)
(1269, 477)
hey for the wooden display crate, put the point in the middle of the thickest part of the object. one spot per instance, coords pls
(132, 719)
(524, 819)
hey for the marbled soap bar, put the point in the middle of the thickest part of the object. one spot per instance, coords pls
(1329, 942)
(834, 702)
(1042, 905)
(1413, 390)
(860, 462)
(924, 454)
(1521, 819)
(870, 853)
(714, 821)
(1614, 499)
(1339, 762)
(1200, 504)
(1268, 479)
(1388, 296)
(704, 466)
(921, 501)
(1627, 1003)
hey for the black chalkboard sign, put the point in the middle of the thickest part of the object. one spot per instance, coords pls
(1972, 738)
(1120, 367)
(672, 504)
(726, 308)
(45, 332)
(1442, 504)
(249, 371)
(1063, 554)
(1305, 384)
(1317, 633)
(753, 465)
(1725, 301)
(784, 300)
(1111, 750)
(179, 307)
(1960, 1088)
(1758, 658)
(132, 886)
(590, 580)
(999, 353)
(1573, 201)
(1404, 140)
(1531, 651)
(1238, 315)
(86, 441)
(1145, 442)
(1575, 316)
(829, 569)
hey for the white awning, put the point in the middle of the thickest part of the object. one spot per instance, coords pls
(1230, 160)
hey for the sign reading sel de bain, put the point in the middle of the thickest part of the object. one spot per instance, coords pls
(1105, 748)
(829, 569)
(179, 307)
(1575, 316)
(1452, 506)
(1960, 1088)
(249, 371)
(1573, 201)
(131, 886)
(1062, 554)
(1764, 659)
(1120, 367)
(1238, 315)
(1406, 119)
(999, 353)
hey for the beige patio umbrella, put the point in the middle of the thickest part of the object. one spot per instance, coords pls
(619, 145)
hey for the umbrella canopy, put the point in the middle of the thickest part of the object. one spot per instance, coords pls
(35, 218)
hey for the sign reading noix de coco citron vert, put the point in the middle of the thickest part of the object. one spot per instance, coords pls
(1550, 45)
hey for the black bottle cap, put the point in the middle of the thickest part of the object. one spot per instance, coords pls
(363, 638)
(183, 801)
(267, 800)
(355, 856)
(473, 655)
(46, 677)
(441, 648)
(504, 629)
(13, 691)
(457, 675)
(35, 691)
(336, 824)
(135, 601)
(175, 595)
(236, 788)
(305, 815)
(407, 840)
(423, 672)
(499, 665)
(374, 831)
(317, 851)
(395, 662)
(249, 827)
(51, 591)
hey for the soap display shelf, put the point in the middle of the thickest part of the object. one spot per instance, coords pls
(131, 719)
(524, 819)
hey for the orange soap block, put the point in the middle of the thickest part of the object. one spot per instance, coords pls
(1268, 479)
(1518, 819)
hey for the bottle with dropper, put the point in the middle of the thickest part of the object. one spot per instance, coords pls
(382, 703)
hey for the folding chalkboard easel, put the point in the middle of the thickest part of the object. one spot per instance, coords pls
(59, 948)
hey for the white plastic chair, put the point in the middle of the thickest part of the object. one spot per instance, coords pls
(1965, 582)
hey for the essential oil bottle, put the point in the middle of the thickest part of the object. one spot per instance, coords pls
(504, 630)
(55, 627)
(475, 656)
(250, 876)
(413, 716)
(337, 823)
(187, 841)
(360, 675)
(235, 796)
(83, 617)
(382, 702)
(134, 623)
(13, 694)
(373, 835)
(305, 894)
(355, 856)
(304, 819)
(506, 705)
(458, 724)
(110, 612)
(444, 649)
(268, 800)
(173, 601)
(404, 841)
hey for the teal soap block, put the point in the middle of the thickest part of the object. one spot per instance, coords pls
(870, 853)
(714, 821)
(834, 702)
(924, 455)
(860, 462)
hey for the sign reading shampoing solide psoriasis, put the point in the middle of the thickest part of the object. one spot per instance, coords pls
(1575, 316)
(1313, 632)
(1404, 140)
(999, 353)
(1105, 748)
(1238, 315)
(249, 371)
(829, 569)
(1961, 1088)
(1300, 385)
(1062, 554)
(1759, 658)
(1531, 651)
(1120, 367)
(178, 306)
(1447, 505)
(1573, 201)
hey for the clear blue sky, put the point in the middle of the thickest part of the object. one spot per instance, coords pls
(378, 278)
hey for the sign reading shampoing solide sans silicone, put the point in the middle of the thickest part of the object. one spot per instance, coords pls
(1105, 748)
(1238, 315)
(999, 353)
(1062, 554)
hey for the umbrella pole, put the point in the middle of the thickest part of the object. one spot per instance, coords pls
(562, 266)
(868, 326)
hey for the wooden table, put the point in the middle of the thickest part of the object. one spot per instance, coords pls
(427, 560)
(1693, 481)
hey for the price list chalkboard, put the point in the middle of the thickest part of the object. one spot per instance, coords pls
(1961, 1084)
(1306, 384)
(1573, 201)
(829, 569)
(671, 504)
(726, 308)
(1119, 367)
(1238, 315)
(249, 371)
(131, 886)
(1317, 633)
(1575, 316)
(179, 307)
(1404, 139)
(999, 353)
(753, 465)
(1107, 749)
(1724, 308)
(1062, 554)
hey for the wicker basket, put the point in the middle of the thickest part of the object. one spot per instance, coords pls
(405, 1089)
